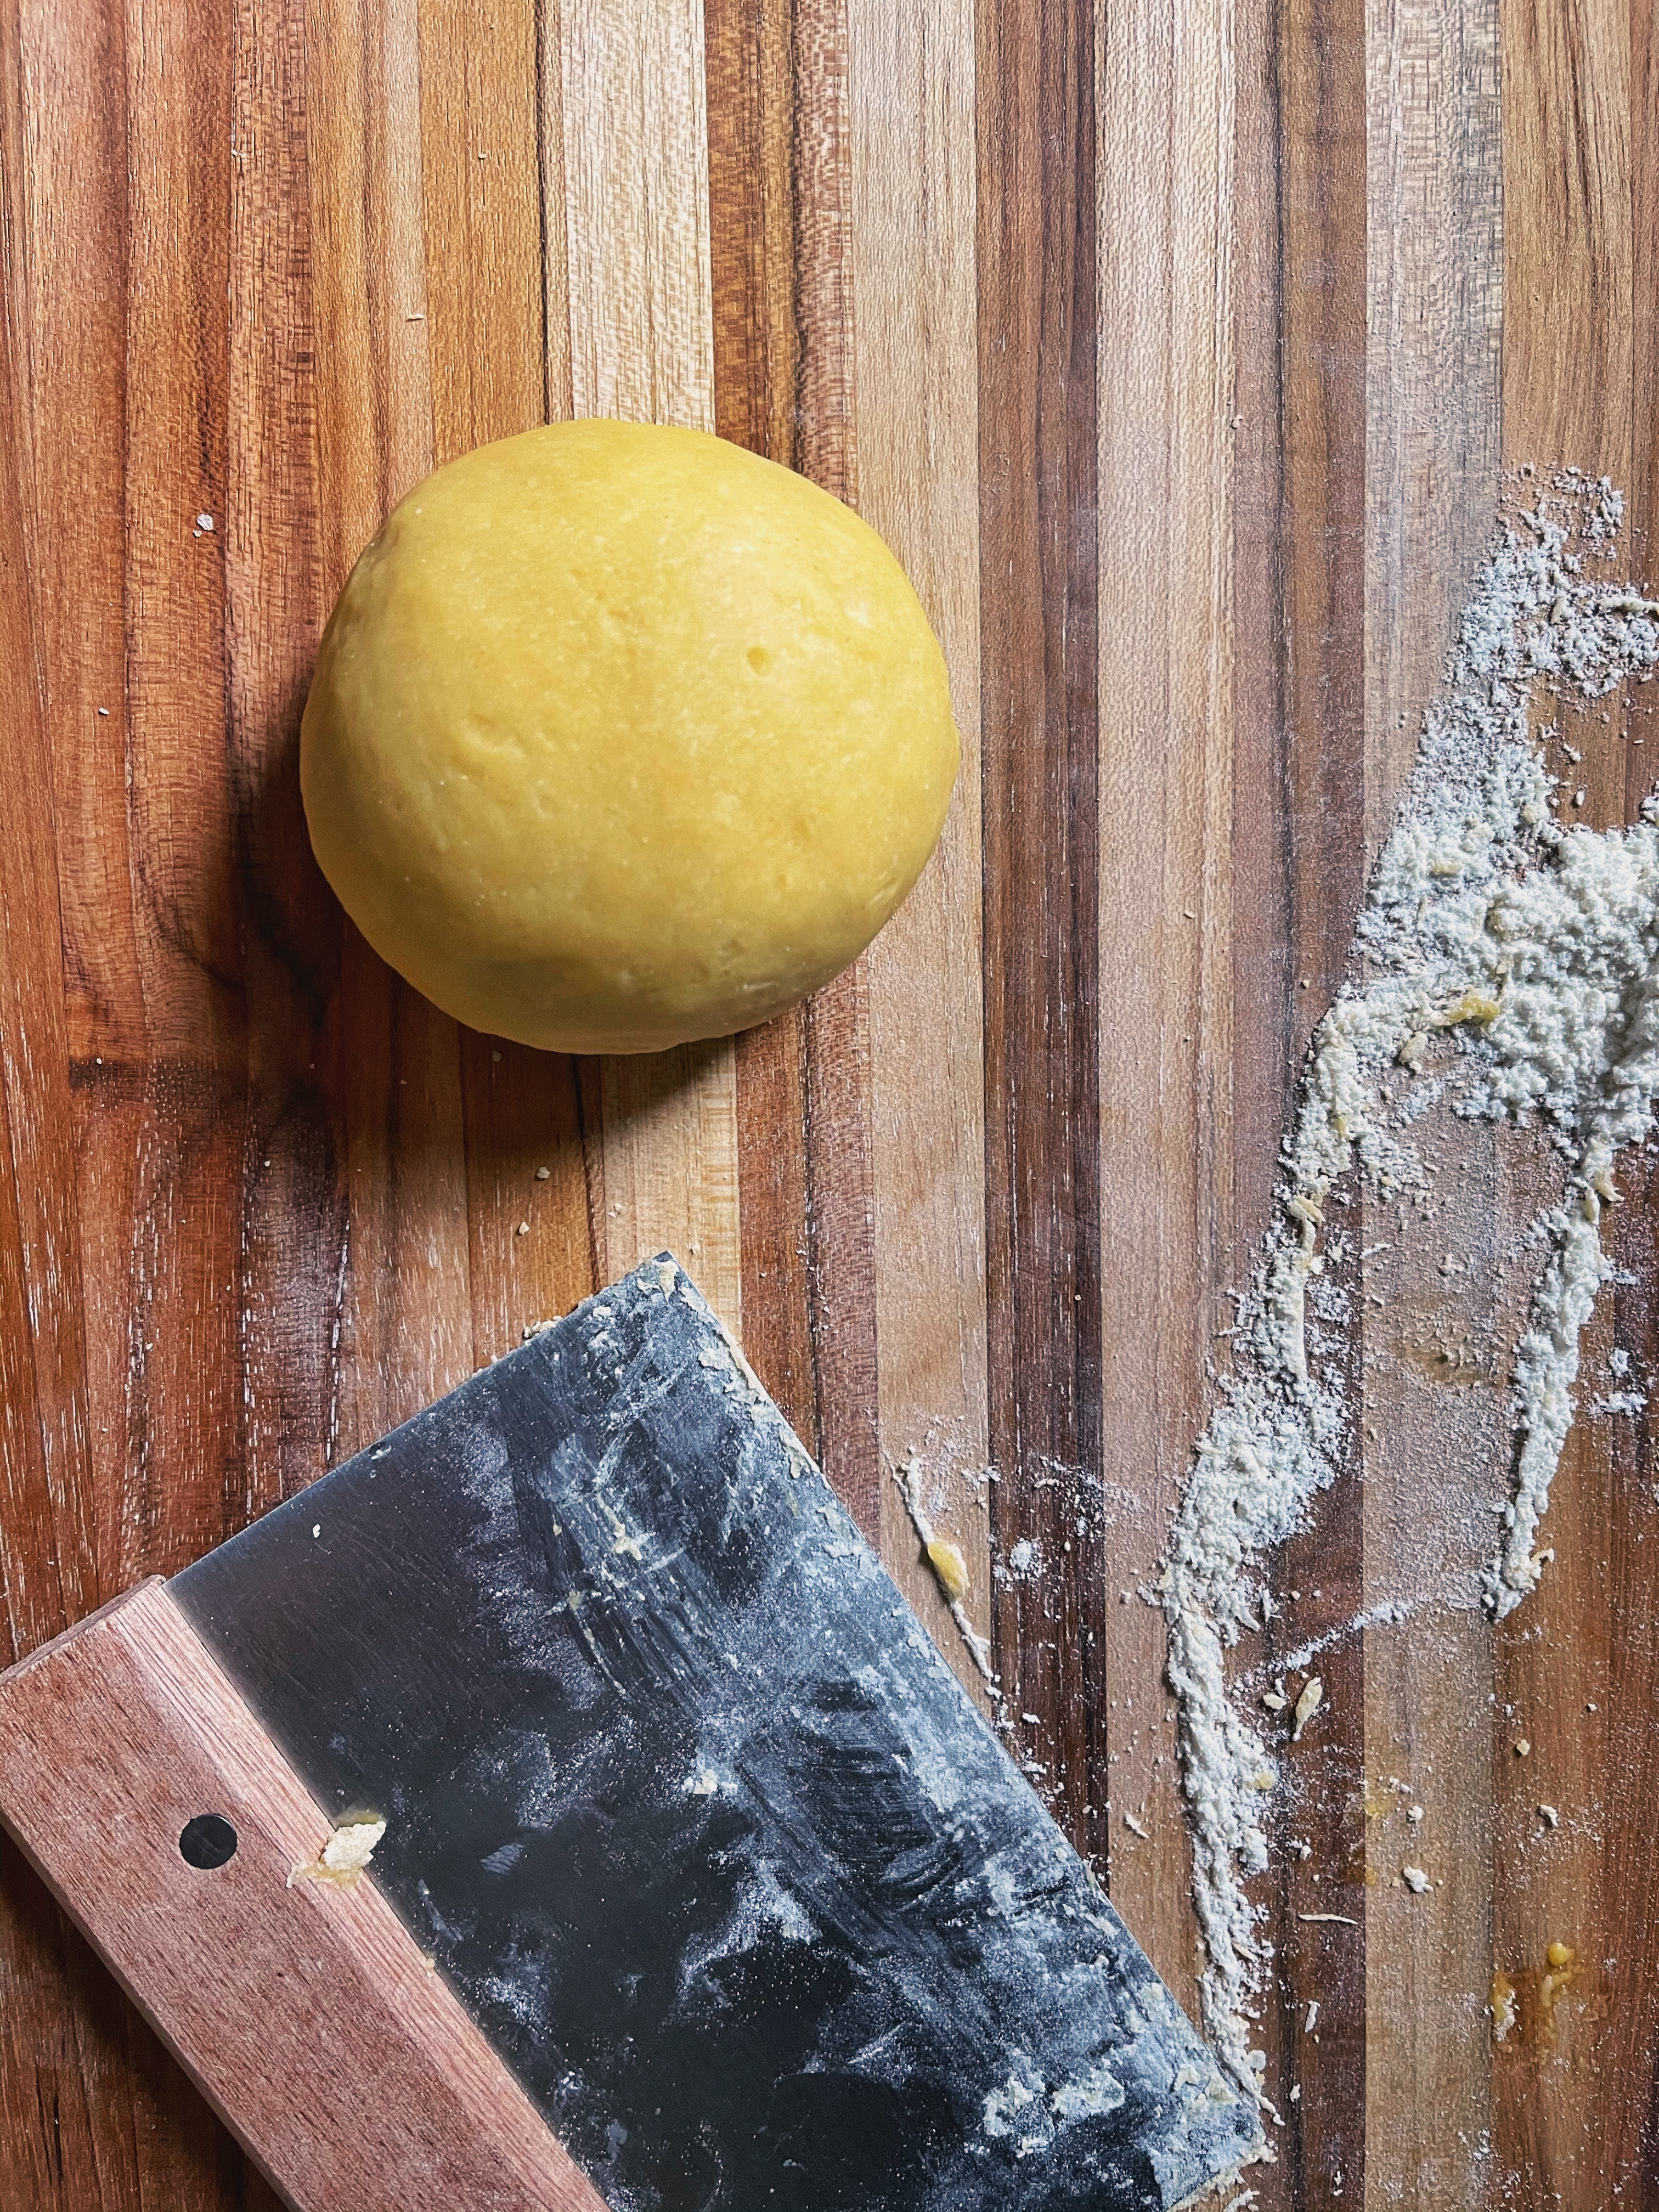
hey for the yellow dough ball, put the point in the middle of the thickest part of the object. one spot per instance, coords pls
(621, 736)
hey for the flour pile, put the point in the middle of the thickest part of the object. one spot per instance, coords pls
(1536, 947)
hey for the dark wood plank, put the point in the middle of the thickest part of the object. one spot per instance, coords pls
(841, 1244)
(1037, 292)
(749, 50)
(1298, 860)
(777, 1329)
(1613, 2004)
(781, 233)
(407, 1323)
(750, 57)
(173, 1300)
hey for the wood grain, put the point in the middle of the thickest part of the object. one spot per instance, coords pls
(1572, 1683)
(636, 220)
(1177, 352)
(914, 183)
(757, 115)
(1038, 289)
(670, 1157)
(43, 1440)
(1434, 398)
(1305, 510)
(362, 2078)
(636, 211)
(784, 380)
(1167, 103)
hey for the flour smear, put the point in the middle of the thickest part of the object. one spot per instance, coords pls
(1522, 955)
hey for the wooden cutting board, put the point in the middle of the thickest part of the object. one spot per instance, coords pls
(1177, 350)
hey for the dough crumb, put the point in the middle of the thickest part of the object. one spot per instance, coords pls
(946, 1560)
(344, 1855)
(1415, 1879)
(1312, 1696)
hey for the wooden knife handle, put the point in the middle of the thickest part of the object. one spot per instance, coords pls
(346, 2066)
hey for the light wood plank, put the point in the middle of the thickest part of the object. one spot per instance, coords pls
(498, 337)
(1434, 285)
(636, 211)
(911, 108)
(642, 349)
(1167, 1035)
(671, 1167)
(1435, 280)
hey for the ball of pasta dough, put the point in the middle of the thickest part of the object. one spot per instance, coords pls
(621, 736)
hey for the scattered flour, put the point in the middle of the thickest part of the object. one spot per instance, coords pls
(1532, 952)
(1615, 1402)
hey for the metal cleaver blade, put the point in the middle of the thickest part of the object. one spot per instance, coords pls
(688, 1811)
